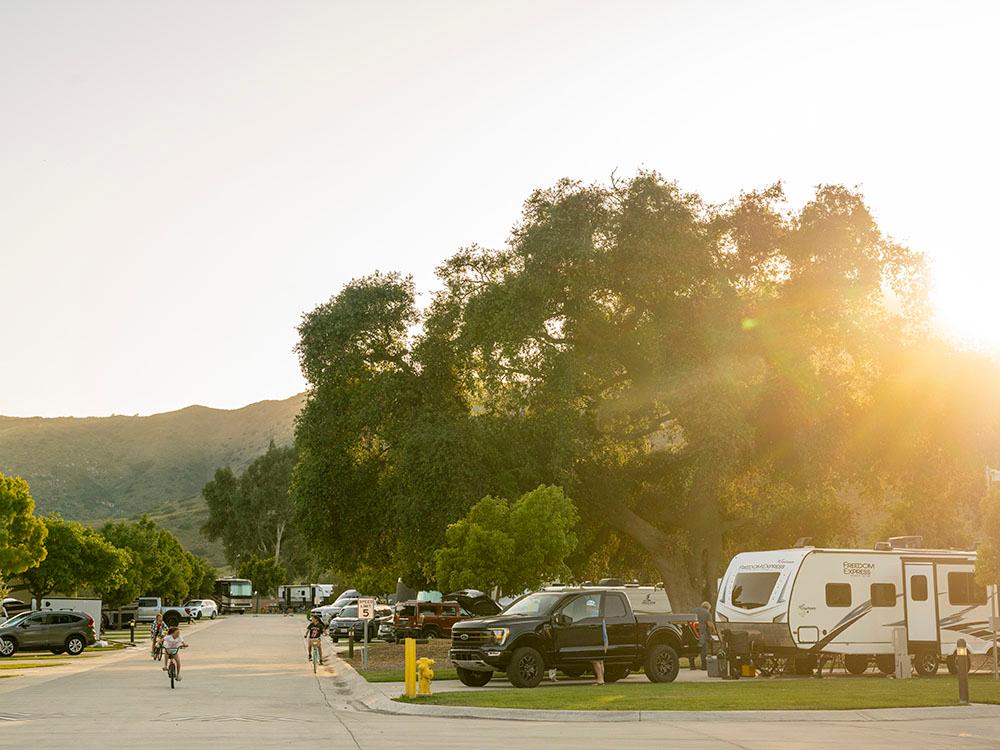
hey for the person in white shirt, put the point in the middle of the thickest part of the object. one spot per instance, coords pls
(172, 645)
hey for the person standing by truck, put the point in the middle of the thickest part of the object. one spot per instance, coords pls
(705, 628)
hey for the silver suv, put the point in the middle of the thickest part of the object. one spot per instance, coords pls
(57, 631)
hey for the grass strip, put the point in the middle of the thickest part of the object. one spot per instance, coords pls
(744, 695)
(32, 666)
(397, 675)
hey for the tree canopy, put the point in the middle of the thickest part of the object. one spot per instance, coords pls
(77, 557)
(157, 564)
(509, 546)
(698, 378)
(22, 535)
(253, 514)
(265, 572)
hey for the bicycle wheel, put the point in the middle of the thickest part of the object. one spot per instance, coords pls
(171, 673)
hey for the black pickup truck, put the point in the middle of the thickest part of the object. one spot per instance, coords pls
(567, 629)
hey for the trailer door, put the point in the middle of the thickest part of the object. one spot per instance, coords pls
(921, 604)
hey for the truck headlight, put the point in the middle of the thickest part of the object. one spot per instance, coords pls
(500, 635)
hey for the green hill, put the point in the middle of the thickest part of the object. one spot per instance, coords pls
(120, 467)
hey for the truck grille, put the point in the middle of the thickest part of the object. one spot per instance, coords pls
(470, 638)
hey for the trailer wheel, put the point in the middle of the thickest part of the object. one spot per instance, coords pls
(804, 665)
(857, 663)
(926, 663)
(886, 663)
(949, 662)
(662, 664)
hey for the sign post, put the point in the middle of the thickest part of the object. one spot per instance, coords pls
(366, 613)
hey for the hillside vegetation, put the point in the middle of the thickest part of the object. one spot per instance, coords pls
(119, 467)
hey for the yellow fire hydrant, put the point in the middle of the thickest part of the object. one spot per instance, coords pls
(424, 675)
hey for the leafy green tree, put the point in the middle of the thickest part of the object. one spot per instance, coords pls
(509, 546)
(159, 565)
(264, 572)
(652, 354)
(201, 584)
(22, 535)
(77, 556)
(253, 514)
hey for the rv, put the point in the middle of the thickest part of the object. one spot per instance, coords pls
(807, 602)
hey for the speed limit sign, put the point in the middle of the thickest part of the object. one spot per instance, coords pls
(366, 609)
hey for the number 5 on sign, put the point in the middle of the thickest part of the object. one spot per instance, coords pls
(366, 609)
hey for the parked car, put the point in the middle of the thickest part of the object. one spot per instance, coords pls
(148, 606)
(567, 628)
(328, 611)
(11, 606)
(202, 608)
(416, 619)
(347, 622)
(57, 631)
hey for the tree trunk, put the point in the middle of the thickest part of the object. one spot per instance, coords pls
(704, 524)
(277, 543)
(670, 564)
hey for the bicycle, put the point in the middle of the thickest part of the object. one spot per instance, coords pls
(315, 655)
(172, 665)
(157, 649)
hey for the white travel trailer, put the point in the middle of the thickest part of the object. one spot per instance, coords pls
(806, 601)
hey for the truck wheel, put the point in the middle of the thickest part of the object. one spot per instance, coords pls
(472, 678)
(856, 663)
(616, 672)
(75, 645)
(430, 634)
(886, 663)
(662, 663)
(926, 663)
(526, 668)
(574, 672)
(7, 647)
(172, 619)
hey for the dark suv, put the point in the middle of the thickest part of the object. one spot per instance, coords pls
(56, 631)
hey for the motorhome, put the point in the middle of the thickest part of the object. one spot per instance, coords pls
(807, 601)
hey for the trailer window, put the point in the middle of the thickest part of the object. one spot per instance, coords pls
(883, 594)
(918, 588)
(838, 595)
(963, 589)
(753, 590)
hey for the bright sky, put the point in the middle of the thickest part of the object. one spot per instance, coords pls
(180, 181)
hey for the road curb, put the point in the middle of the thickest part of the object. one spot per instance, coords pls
(365, 696)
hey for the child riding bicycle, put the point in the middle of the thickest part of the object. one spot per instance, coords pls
(172, 645)
(314, 637)
(156, 632)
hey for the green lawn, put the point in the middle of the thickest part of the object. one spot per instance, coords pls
(396, 675)
(33, 666)
(744, 695)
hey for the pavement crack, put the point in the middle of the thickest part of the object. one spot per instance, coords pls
(336, 714)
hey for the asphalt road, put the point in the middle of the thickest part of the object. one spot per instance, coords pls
(247, 684)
